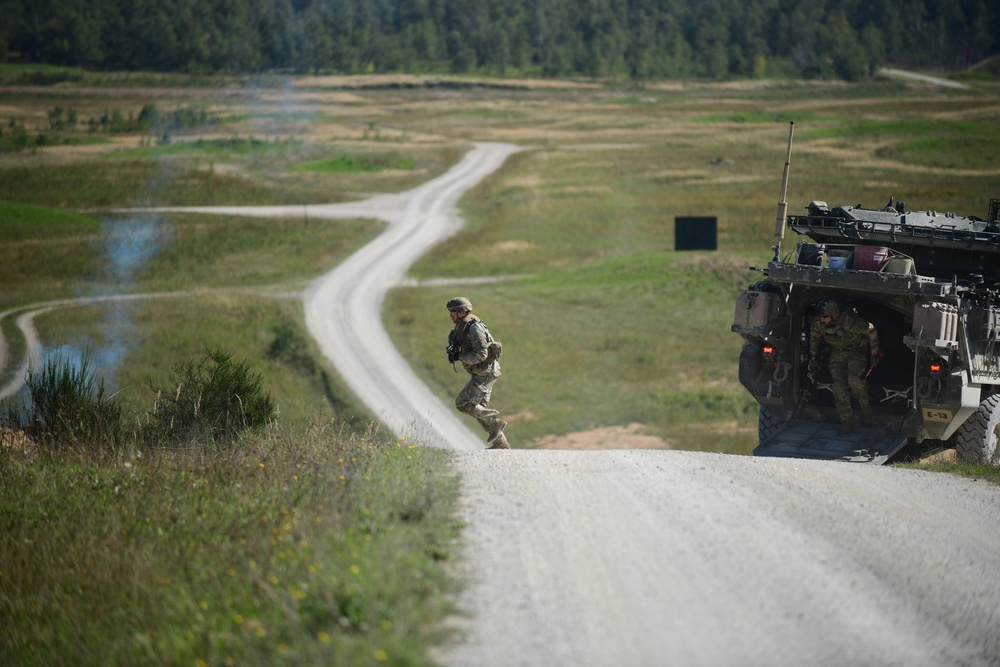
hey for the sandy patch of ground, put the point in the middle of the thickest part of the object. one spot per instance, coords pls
(582, 190)
(316, 97)
(680, 173)
(600, 147)
(606, 437)
(944, 456)
(530, 181)
(513, 246)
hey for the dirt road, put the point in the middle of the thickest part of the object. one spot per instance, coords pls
(923, 78)
(643, 557)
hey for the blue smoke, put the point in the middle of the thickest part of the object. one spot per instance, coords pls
(129, 243)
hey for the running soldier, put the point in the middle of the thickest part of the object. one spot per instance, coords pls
(470, 343)
(854, 351)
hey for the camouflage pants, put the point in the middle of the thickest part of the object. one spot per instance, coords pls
(474, 399)
(848, 372)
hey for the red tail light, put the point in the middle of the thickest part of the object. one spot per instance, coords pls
(936, 370)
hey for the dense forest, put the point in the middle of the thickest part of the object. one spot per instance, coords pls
(716, 39)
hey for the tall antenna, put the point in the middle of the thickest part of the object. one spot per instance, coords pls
(779, 221)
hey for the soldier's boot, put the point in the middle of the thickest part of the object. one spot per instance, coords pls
(496, 430)
(848, 426)
(500, 442)
(867, 415)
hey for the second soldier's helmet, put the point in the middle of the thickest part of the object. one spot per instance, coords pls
(828, 307)
(460, 303)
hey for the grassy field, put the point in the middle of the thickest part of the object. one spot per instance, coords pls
(300, 547)
(604, 324)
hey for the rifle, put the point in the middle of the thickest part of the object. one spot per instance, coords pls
(803, 399)
(452, 350)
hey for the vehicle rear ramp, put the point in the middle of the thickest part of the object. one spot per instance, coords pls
(821, 440)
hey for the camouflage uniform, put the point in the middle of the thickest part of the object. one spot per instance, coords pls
(472, 340)
(853, 344)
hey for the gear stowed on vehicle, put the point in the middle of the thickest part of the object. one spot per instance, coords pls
(929, 283)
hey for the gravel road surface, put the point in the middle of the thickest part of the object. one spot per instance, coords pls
(934, 80)
(650, 557)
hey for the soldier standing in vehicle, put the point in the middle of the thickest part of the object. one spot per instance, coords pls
(854, 351)
(471, 343)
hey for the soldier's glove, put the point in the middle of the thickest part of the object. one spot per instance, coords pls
(452, 347)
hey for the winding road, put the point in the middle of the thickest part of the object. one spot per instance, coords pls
(650, 557)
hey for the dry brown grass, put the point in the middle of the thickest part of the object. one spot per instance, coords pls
(17, 441)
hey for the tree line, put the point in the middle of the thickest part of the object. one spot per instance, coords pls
(632, 39)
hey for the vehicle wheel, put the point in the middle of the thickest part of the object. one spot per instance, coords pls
(976, 439)
(766, 426)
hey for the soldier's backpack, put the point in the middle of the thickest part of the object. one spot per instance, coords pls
(495, 348)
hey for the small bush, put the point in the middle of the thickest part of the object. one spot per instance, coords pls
(14, 138)
(214, 400)
(290, 347)
(67, 405)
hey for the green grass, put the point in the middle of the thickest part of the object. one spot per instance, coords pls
(35, 74)
(186, 175)
(51, 253)
(984, 472)
(317, 528)
(200, 250)
(301, 547)
(138, 342)
(124, 183)
(599, 345)
(948, 152)
(765, 116)
(45, 253)
(37, 223)
(357, 164)
(218, 148)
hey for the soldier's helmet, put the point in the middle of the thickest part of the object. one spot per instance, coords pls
(828, 307)
(460, 303)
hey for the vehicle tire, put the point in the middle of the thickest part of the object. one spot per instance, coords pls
(976, 440)
(766, 426)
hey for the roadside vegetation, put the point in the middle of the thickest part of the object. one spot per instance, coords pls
(203, 532)
(314, 537)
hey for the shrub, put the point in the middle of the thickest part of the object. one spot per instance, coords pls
(67, 404)
(290, 347)
(214, 400)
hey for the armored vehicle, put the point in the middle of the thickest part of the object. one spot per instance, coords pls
(930, 284)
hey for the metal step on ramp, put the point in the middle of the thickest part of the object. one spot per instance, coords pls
(822, 440)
